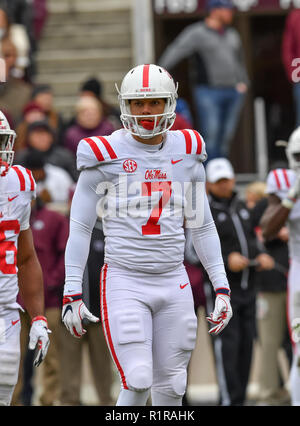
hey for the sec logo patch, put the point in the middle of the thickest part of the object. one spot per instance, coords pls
(129, 166)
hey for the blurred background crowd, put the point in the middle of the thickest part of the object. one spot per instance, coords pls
(238, 86)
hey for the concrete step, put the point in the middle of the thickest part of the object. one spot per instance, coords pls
(69, 84)
(84, 60)
(95, 17)
(63, 6)
(108, 36)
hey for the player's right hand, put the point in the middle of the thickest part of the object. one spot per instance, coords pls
(73, 312)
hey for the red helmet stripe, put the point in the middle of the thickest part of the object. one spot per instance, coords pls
(146, 75)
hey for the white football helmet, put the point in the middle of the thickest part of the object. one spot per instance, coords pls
(7, 140)
(293, 150)
(148, 81)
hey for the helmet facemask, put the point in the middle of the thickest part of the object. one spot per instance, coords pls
(293, 151)
(7, 140)
(161, 122)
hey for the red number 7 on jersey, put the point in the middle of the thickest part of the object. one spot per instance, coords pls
(5, 246)
(152, 227)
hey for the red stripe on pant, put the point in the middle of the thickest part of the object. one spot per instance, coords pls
(105, 324)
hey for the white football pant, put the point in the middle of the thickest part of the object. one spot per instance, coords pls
(150, 328)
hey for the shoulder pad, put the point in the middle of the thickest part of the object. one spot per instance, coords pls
(279, 181)
(95, 150)
(191, 142)
(21, 179)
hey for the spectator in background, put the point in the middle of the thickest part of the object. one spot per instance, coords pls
(52, 183)
(50, 231)
(242, 258)
(219, 76)
(93, 87)
(40, 15)
(42, 137)
(32, 112)
(42, 94)
(15, 93)
(17, 33)
(290, 54)
(271, 306)
(90, 121)
(254, 192)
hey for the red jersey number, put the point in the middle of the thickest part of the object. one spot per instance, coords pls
(8, 246)
(152, 227)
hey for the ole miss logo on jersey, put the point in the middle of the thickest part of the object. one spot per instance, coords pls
(129, 166)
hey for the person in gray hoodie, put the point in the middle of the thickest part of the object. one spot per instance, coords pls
(219, 77)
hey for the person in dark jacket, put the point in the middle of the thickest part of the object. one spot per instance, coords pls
(42, 137)
(242, 258)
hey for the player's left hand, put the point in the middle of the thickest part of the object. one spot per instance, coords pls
(38, 335)
(221, 315)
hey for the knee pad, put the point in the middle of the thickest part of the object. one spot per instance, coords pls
(139, 378)
(178, 384)
(9, 367)
(6, 393)
(187, 333)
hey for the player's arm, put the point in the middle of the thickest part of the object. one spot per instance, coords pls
(274, 217)
(207, 245)
(83, 217)
(30, 275)
(31, 287)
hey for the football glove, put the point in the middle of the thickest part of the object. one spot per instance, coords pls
(38, 335)
(73, 312)
(221, 315)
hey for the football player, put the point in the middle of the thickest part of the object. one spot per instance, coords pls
(283, 187)
(144, 181)
(20, 271)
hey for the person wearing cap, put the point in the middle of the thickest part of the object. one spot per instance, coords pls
(218, 74)
(42, 94)
(243, 259)
(31, 112)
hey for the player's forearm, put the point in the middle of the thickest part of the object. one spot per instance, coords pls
(207, 246)
(77, 251)
(273, 221)
(30, 278)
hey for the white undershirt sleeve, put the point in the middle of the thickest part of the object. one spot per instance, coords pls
(83, 217)
(207, 245)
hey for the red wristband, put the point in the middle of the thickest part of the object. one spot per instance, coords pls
(39, 318)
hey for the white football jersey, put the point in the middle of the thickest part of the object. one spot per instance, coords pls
(279, 182)
(145, 188)
(17, 189)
